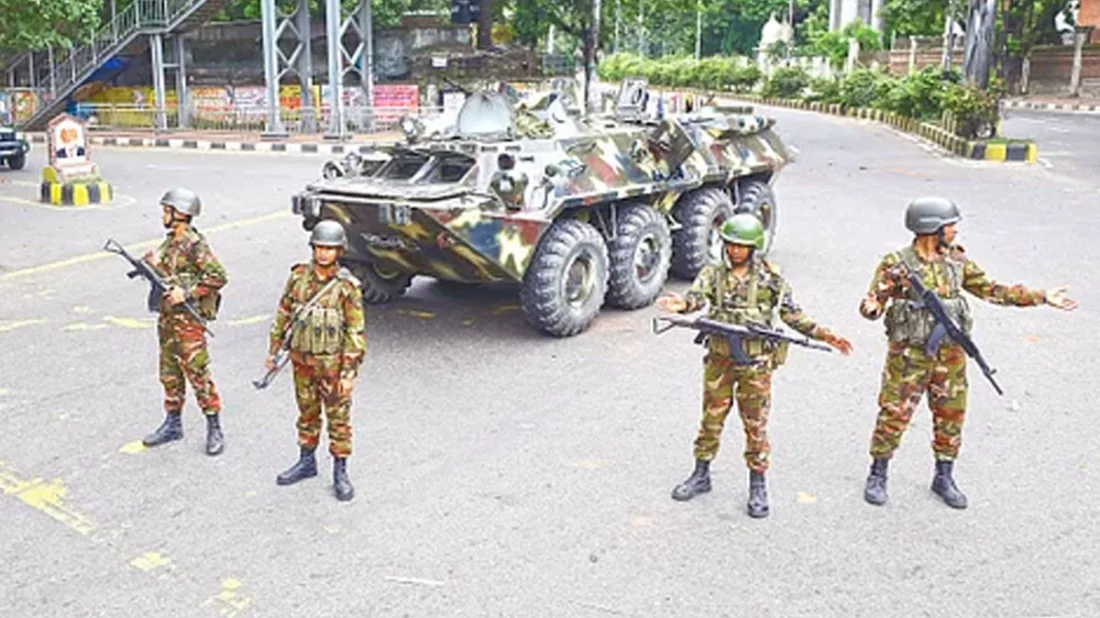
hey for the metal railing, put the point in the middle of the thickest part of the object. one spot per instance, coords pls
(129, 117)
(142, 16)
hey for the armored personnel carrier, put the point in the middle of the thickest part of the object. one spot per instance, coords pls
(580, 211)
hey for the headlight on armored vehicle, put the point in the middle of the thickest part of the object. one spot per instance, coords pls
(20, 137)
(411, 127)
(304, 204)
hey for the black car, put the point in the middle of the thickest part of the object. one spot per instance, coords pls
(13, 148)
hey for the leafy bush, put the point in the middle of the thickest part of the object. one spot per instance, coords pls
(865, 88)
(786, 82)
(975, 111)
(746, 78)
(918, 95)
(824, 90)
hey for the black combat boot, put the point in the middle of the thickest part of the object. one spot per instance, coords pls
(697, 483)
(169, 430)
(340, 482)
(758, 495)
(214, 442)
(305, 468)
(875, 492)
(944, 486)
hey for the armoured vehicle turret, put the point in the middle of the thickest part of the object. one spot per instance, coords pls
(579, 211)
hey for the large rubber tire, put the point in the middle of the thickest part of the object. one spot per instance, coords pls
(759, 199)
(378, 285)
(16, 162)
(566, 281)
(696, 244)
(640, 253)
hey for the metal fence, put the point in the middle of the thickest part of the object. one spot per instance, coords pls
(242, 120)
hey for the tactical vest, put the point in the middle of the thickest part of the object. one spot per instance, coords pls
(734, 309)
(206, 305)
(320, 329)
(907, 320)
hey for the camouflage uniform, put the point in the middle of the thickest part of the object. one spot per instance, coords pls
(909, 372)
(331, 350)
(757, 298)
(187, 261)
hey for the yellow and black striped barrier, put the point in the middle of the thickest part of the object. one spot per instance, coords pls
(76, 193)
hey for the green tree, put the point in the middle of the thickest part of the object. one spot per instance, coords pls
(34, 24)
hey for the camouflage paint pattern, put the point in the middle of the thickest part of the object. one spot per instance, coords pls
(185, 358)
(723, 381)
(316, 376)
(187, 260)
(455, 228)
(909, 373)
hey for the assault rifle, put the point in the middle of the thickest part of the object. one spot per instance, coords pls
(946, 327)
(157, 285)
(283, 355)
(734, 333)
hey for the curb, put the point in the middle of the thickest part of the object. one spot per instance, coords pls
(1074, 108)
(1024, 150)
(228, 146)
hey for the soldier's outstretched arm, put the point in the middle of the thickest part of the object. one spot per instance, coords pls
(883, 285)
(355, 336)
(282, 317)
(791, 313)
(701, 291)
(979, 284)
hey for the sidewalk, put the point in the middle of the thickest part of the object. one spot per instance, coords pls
(1065, 105)
(232, 141)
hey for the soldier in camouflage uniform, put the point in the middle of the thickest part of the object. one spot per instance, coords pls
(744, 288)
(323, 305)
(943, 267)
(186, 262)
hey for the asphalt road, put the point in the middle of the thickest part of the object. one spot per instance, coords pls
(503, 473)
(1069, 144)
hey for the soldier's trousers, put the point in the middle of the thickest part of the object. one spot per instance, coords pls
(908, 375)
(184, 358)
(315, 386)
(723, 381)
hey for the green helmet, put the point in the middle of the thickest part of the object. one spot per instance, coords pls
(329, 233)
(743, 229)
(926, 215)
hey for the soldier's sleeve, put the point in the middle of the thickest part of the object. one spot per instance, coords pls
(977, 283)
(792, 314)
(213, 275)
(701, 290)
(883, 285)
(282, 316)
(355, 336)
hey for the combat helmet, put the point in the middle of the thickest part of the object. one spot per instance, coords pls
(926, 215)
(329, 233)
(185, 201)
(743, 229)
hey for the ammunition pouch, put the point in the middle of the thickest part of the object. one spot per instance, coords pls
(909, 323)
(319, 331)
(207, 306)
(772, 353)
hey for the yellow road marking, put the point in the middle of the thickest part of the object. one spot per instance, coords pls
(131, 322)
(805, 498)
(505, 309)
(48, 498)
(83, 326)
(133, 447)
(252, 320)
(424, 315)
(80, 259)
(231, 600)
(4, 391)
(6, 325)
(151, 561)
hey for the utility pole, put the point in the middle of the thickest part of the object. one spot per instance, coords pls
(641, 28)
(591, 43)
(948, 36)
(618, 18)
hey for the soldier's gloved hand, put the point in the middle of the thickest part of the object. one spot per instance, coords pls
(1056, 297)
(176, 295)
(672, 302)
